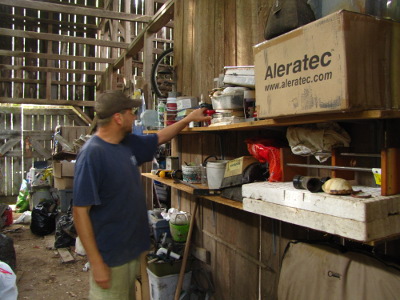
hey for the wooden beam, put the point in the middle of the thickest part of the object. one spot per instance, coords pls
(47, 69)
(40, 149)
(39, 134)
(8, 145)
(89, 103)
(26, 20)
(82, 115)
(162, 17)
(56, 56)
(76, 10)
(60, 38)
(159, 20)
(56, 82)
(390, 172)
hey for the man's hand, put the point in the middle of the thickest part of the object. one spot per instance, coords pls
(198, 116)
(101, 275)
(167, 133)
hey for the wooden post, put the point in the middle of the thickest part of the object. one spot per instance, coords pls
(186, 253)
(343, 161)
(390, 171)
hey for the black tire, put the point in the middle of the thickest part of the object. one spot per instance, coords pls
(159, 67)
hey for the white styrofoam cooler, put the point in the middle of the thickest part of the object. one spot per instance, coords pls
(355, 218)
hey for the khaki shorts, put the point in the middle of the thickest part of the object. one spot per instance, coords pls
(122, 283)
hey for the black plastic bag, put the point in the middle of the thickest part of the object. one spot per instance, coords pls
(43, 219)
(286, 15)
(65, 231)
(7, 251)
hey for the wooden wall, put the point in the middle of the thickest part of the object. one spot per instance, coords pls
(212, 34)
(246, 249)
(26, 136)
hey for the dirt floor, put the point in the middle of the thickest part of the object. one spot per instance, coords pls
(41, 272)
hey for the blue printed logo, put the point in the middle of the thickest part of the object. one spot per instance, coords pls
(133, 160)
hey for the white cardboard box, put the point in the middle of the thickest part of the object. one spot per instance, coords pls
(343, 62)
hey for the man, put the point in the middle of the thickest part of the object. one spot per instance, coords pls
(110, 212)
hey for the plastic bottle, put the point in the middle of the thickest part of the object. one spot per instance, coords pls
(161, 108)
(171, 108)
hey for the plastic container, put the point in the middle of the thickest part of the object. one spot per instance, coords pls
(161, 268)
(191, 174)
(38, 196)
(163, 288)
(215, 173)
(179, 232)
(158, 225)
(65, 197)
(232, 101)
(171, 108)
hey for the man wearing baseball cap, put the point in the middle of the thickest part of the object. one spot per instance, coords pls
(110, 212)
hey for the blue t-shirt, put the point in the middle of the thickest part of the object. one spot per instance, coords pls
(108, 179)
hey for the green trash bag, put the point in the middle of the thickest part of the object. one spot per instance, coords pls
(23, 198)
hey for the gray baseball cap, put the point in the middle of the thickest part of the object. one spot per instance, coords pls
(111, 102)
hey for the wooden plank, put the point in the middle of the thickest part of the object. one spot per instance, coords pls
(65, 255)
(230, 49)
(339, 160)
(157, 21)
(390, 171)
(20, 20)
(53, 82)
(162, 17)
(79, 112)
(61, 38)
(189, 190)
(56, 56)
(75, 10)
(244, 33)
(288, 172)
(89, 103)
(46, 69)
(39, 148)
(8, 145)
(297, 120)
(201, 254)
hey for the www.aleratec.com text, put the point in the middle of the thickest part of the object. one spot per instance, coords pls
(298, 81)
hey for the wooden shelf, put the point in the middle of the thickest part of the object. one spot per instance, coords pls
(187, 189)
(297, 120)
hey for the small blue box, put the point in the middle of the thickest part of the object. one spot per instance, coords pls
(158, 226)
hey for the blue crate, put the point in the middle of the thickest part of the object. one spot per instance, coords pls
(158, 226)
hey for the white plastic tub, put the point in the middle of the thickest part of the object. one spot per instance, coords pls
(215, 173)
(163, 288)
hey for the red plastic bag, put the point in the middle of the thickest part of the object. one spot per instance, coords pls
(267, 150)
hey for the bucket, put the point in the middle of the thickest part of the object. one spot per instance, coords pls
(191, 174)
(163, 287)
(215, 173)
(179, 232)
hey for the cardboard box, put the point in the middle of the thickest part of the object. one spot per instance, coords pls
(64, 183)
(63, 169)
(343, 62)
(237, 166)
(186, 102)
